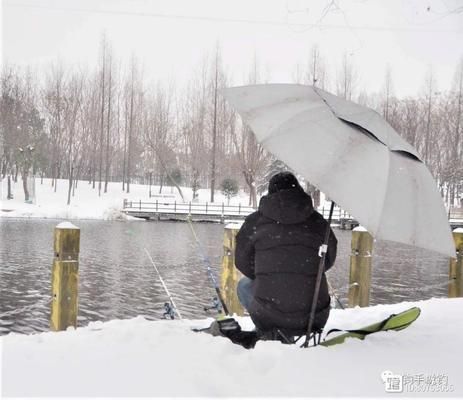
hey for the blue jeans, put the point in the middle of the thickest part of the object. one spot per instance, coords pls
(244, 289)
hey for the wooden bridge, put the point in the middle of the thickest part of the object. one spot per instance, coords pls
(168, 210)
(165, 209)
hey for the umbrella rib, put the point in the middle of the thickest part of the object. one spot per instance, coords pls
(368, 114)
(362, 129)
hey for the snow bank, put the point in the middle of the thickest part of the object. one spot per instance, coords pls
(164, 358)
(87, 204)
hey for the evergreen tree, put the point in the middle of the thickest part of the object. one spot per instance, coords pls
(229, 188)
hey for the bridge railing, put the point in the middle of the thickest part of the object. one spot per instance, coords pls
(169, 207)
(160, 206)
(338, 213)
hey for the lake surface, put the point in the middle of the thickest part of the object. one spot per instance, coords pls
(117, 279)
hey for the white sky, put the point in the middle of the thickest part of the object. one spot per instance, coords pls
(171, 37)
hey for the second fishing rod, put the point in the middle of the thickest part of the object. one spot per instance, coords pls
(208, 264)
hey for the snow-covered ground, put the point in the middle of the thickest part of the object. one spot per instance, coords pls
(86, 204)
(164, 358)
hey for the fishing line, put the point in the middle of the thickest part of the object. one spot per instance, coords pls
(333, 292)
(163, 284)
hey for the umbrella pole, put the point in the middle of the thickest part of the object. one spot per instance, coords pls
(321, 268)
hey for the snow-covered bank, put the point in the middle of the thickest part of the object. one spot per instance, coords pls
(87, 204)
(164, 358)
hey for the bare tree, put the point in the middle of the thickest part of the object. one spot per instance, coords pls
(251, 156)
(194, 126)
(316, 68)
(72, 109)
(108, 121)
(214, 125)
(54, 106)
(387, 93)
(347, 78)
(452, 129)
(102, 112)
(430, 89)
(131, 120)
(250, 153)
(158, 132)
(21, 126)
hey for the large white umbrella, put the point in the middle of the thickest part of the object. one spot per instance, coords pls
(351, 153)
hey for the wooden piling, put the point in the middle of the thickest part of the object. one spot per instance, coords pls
(65, 277)
(456, 266)
(360, 268)
(230, 275)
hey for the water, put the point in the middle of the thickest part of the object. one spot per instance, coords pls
(117, 279)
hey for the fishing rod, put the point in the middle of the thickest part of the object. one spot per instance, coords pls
(321, 268)
(208, 267)
(168, 309)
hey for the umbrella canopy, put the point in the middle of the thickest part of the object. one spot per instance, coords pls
(351, 153)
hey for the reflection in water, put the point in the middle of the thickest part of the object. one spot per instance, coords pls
(117, 279)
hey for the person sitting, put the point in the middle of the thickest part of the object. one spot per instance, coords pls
(277, 251)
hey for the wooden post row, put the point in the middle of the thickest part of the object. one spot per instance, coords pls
(360, 268)
(230, 275)
(456, 266)
(65, 277)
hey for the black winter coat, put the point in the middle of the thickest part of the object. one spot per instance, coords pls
(278, 247)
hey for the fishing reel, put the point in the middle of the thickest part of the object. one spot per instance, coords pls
(169, 311)
(216, 305)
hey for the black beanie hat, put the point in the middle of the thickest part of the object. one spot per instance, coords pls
(283, 181)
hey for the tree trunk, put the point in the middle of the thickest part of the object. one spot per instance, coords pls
(74, 183)
(4, 168)
(161, 184)
(26, 190)
(250, 181)
(214, 129)
(70, 184)
(10, 194)
(129, 150)
(125, 145)
(100, 169)
(107, 132)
